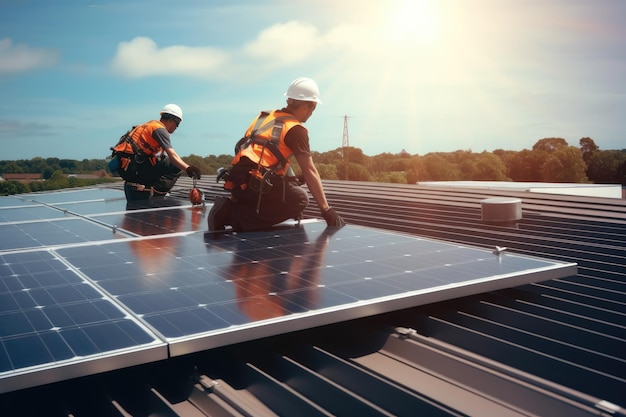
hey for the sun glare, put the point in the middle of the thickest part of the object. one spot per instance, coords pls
(414, 21)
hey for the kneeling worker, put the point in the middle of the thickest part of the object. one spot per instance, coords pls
(142, 162)
(263, 193)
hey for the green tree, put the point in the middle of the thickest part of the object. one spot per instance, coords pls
(330, 157)
(525, 166)
(47, 173)
(606, 167)
(438, 168)
(53, 163)
(12, 187)
(37, 165)
(354, 155)
(201, 163)
(416, 170)
(391, 177)
(36, 186)
(12, 168)
(549, 144)
(57, 180)
(353, 172)
(327, 171)
(588, 147)
(565, 164)
(489, 167)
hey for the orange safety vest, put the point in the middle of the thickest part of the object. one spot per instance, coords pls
(264, 142)
(142, 141)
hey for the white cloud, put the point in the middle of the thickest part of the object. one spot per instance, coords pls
(141, 57)
(17, 58)
(279, 46)
(355, 48)
(284, 44)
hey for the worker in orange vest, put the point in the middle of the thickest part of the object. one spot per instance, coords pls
(264, 190)
(145, 158)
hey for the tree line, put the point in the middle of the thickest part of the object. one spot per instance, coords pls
(46, 167)
(549, 160)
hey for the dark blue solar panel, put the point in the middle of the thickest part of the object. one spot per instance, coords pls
(29, 213)
(94, 282)
(183, 286)
(14, 201)
(158, 222)
(75, 195)
(49, 233)
(50, 314)
(93, 207)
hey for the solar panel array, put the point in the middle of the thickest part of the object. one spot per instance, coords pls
(89, 285)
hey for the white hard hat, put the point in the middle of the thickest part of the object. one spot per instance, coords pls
(174, 110)
(304, 89)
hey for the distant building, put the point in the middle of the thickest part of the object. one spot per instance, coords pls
(28, 177)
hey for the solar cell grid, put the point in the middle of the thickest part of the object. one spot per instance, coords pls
(14, 202)
(99, 283)
(91, 207)
(28, 213)
(51, 233)
(75, 195)
(50, 316)
(157, 221)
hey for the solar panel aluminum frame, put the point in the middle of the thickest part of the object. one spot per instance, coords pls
(163, 347)
(300, 321)
(73, 368)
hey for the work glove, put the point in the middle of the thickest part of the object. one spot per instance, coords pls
(332, 218)
(193, 171)
(222, 173)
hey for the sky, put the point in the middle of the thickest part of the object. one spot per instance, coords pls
(418, 76)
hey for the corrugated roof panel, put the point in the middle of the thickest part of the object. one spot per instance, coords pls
(521, 350)
(145, 278)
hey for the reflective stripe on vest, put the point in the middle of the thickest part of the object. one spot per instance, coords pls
(142, 137)
(268, 127)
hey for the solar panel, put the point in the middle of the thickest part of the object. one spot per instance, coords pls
(55, 323)
(104, 287)
(13, 201)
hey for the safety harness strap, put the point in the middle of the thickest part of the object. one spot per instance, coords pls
(271, 144)
(144, 144)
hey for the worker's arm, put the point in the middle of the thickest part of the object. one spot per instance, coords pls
(178, 161)
(313, 180)
(314, 183)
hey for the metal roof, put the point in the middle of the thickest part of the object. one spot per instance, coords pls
(551, 348)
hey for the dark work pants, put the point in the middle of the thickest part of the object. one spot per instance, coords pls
(162, 177)
(272, 209)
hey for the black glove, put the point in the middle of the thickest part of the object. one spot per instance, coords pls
(193, 171)
(222, 174)
(332, 218)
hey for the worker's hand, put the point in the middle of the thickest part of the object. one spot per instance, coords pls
(193, 171)
(332, 218)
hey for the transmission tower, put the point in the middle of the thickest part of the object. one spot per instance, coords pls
(345, 144)
(346, 140)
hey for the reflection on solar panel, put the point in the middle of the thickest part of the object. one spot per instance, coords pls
(100, 287)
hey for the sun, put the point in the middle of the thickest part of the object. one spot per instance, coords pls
(414, 21)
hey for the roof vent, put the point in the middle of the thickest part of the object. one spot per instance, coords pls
(501, 210)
